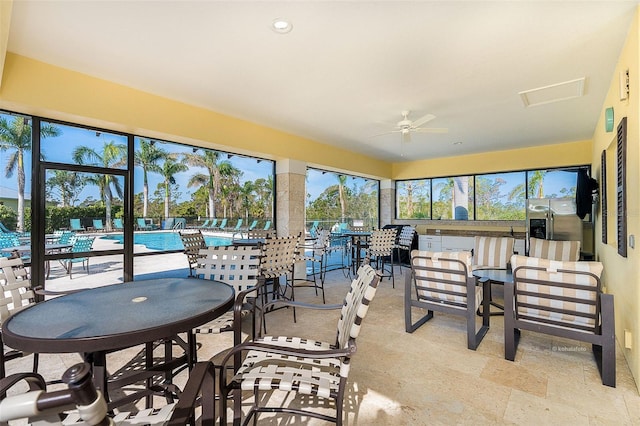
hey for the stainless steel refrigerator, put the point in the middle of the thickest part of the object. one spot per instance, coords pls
(553, 219)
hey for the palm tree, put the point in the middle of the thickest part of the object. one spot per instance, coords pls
(147, 158)
(169, 169)
(16, 135)
(111, 155)
(209, 161)
(342, 182)
(536, 186)
(69, 186)
(246, 191)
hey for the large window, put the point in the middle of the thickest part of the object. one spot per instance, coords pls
(334, 198)
(496, 196)
(111, 188)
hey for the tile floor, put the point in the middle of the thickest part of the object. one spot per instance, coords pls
(430, 377)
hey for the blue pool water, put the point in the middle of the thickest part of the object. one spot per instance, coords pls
(165, 240)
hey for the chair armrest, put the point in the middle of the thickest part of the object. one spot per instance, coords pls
(283, 350)
(42, 292)
(294, 304)
(201, 380)
(34, 380)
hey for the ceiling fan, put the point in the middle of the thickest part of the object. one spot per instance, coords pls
(406, 126)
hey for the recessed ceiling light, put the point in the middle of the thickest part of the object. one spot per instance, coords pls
(457, 143)
(281, 26)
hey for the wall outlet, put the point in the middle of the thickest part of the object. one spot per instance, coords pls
(628, 339)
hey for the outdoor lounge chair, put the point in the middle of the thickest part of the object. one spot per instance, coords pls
(253, 225)
(144, 226)
(236, 228)
(205, 224)
(212, 225)
(98, 225)
(118, 225)
(563, 299)
(4, 228)
(443, 282)
(267, 225)
(75, 225)
(309, 368)
(222, 225)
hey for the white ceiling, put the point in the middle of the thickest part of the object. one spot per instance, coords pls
(347, 69)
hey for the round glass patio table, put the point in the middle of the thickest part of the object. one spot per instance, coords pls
(96, 321)
(117, 316)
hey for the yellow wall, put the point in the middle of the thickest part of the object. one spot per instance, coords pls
(33, 87)
(622, 275)
(564, 154)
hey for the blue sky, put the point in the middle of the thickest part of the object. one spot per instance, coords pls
(60, 149)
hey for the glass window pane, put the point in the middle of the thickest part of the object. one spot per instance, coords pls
(335, 198)
(83, 202)
(15, 166)
(552, 183)
(500, 196)
(76, 145)
(175, 183)
(453, 198)
(413, 199)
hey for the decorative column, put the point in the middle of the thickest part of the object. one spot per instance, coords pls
(387, 201)
(291, 176)
(290, 195)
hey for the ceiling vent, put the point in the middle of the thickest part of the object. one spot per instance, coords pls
(553, 93)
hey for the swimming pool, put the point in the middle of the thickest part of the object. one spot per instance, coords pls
(165, 240)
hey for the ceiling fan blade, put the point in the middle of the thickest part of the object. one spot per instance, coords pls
(382, 134)
(422, 120)
(431, 130)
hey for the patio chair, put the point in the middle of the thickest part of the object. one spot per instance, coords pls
(380, 249)
(405, 242)
(16, 293)
(310, 368)
(237, 267)
(316, 254)
(267, 225)
(98, 225)
(193, 242)
(492, 253)
(443, 282)
(63, 237)
(277, 260)
(253, 225)
(563, 299)
(38, 407)
(213, 224)
(168, 223)
(117, 224)
(80, 245)
(75, 225)
(554, 250)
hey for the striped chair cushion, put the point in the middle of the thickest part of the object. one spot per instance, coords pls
(554, 250)
(542, 301)
(448, 281)
(492, 252)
